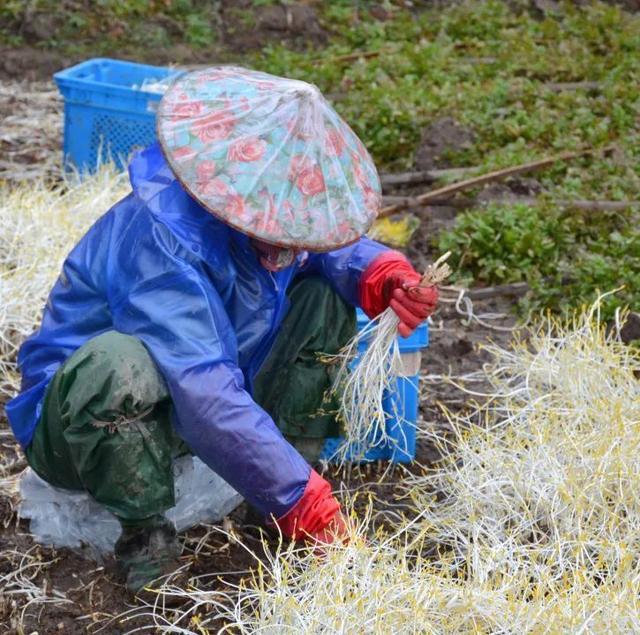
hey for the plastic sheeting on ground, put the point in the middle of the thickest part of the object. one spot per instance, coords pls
(66, 518)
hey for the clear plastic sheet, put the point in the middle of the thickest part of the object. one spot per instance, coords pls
(65, 518)
(270, 157)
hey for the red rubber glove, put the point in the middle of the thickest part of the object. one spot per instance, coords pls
(316, 517)
(336, 530)
(411, 303)
(390, 280)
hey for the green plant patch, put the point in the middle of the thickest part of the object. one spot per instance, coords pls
(565, 257)
(502, 244)
(498, 72)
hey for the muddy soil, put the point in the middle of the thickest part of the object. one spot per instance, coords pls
(239, 26)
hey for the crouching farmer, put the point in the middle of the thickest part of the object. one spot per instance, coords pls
(189, 317)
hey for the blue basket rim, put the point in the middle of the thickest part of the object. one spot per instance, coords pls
(67, 79)
(71, 71)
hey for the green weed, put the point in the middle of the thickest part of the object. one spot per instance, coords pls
(565, 257)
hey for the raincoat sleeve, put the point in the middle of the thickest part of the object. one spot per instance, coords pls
(344, 268)
(168, 303)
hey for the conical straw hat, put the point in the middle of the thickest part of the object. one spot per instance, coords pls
(270, 157)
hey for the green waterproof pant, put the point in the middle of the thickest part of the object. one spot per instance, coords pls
(106, 425)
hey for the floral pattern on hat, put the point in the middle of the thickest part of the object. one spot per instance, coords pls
(270, 157)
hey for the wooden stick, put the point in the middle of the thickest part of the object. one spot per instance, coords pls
(477, 60)
(359, 55)
(425, 176)
(412, 201)
(465, 203)
(353, 56)
(559, 87)
(449, 190)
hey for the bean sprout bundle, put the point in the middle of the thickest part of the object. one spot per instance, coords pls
(362, 387)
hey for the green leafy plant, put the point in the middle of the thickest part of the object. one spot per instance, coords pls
(198, 31)
(501, 244)
(565, 260)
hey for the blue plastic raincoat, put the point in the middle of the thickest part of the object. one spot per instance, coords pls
(159, 267)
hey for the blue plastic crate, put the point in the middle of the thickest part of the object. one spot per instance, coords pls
(401, 406)
(106, 115)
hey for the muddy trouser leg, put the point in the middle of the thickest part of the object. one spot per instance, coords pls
(105, 428)
(293, 382)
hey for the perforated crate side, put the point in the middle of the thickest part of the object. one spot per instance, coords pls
(93, 134)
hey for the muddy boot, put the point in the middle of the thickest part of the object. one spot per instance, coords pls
(147, 551)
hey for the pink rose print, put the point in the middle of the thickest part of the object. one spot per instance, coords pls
(214, 126)
(183, 153)
(205, 171)
(251, 149)
(297, 165)
(334, 143)
(362, 151)
(344, 229)
(213, 75)
(269, 227)
(234, 205)
(310, 181)
(371, 200)
(213, 188)
(271, 210)
(186, 110)
(266, 216)
(286, 212)
(358, 172)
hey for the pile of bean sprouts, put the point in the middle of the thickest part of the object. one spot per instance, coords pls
(530, 523)
(541, 482)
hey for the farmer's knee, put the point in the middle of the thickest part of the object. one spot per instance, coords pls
(112, 376)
